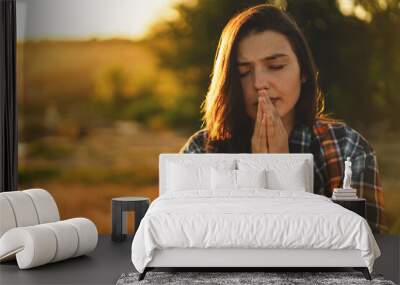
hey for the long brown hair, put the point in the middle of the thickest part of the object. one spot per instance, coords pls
(224, 115)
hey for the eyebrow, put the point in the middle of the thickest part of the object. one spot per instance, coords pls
(271, 57)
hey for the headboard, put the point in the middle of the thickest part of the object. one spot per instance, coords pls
(215, 158)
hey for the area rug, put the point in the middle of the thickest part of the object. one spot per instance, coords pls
(225, 278)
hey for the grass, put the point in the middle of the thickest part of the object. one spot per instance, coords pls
(93, 201)
(108, 162)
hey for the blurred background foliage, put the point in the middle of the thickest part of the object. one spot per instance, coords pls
(95, 114)
(357, 53)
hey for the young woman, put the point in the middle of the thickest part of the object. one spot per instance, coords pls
(264, 98)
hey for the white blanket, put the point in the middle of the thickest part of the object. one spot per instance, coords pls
(252, 218)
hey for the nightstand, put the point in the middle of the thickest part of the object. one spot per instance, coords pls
(356, 205)
(120, 206)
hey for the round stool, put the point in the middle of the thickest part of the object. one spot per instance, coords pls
(120, 206)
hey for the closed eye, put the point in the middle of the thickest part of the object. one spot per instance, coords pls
(277, 67)
(272, 67)
(243, 74)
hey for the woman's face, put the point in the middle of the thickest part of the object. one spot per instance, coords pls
(266, 61)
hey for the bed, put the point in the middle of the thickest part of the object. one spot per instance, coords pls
(247, 210)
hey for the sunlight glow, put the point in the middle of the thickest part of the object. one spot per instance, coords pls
(90, 18)
(362, 14)
(348, 8)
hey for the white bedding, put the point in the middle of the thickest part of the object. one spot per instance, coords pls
(251, 218)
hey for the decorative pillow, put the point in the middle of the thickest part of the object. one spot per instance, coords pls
(281, 175)
(251, 178)
(228, 179)
(181, 177)
(223, 179)
(191, 174)
(293, 179)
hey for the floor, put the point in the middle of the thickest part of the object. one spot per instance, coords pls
(111, 259)
(103, 266)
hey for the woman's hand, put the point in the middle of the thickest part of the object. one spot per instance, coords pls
(270, 134)
(259, 138)
(277, 135)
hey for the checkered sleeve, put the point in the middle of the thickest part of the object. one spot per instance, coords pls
(366, 179)
(196, 143)
(338, 142)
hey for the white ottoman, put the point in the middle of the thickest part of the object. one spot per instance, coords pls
(31, 232)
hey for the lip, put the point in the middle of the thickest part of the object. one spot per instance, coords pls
(273, 100)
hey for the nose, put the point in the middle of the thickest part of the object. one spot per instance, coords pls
(261, 79)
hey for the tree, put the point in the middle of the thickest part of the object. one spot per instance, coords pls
(358, 60)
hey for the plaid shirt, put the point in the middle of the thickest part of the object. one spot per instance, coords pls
(330, 144)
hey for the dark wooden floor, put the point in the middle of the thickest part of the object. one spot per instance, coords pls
(110, 260)
(102, 266)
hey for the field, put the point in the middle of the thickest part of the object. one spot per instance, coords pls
(84, 134)
(113, 163)
(93, 118)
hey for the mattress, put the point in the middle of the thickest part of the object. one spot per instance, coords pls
(250, 219)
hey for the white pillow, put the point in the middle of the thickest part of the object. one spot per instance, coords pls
(293, 179)
(281, 175)
(191, 174)
(228, 179)
(182, 177)
(223, 179)
(251, 178)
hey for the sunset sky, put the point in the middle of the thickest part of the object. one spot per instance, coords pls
(89, 18)
(81, 19)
